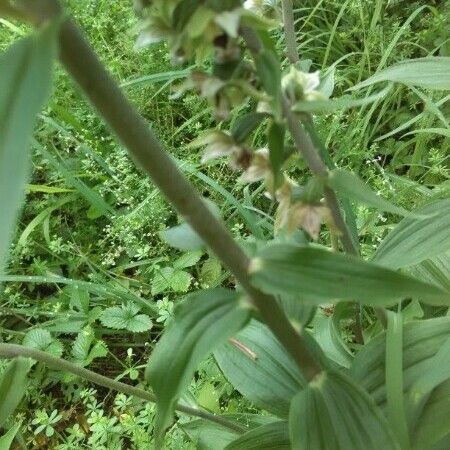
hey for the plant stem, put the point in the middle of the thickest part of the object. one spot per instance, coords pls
(13, 351)
(134, 132)
(289, 31)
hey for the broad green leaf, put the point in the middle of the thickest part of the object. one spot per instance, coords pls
(210, 273)
(13, 383)
(86, 347)
(126, 317)
(168, 278)
(188, 260)
(245, 125)
(203, 321)
(183, 12)
(298, 312)
(435, 270)
(429, 73)
(268, 68)
(42, 340)
(336, 104)
(326, 330)
(437, 372)
(421, 341)
(349, 185)
(7, 439)
(415, 239)
(293, 269)
(433, 425)
(207, 435)
(257, 365)
(333, 413)
(182, 237)
(26, 77)
(273, 436)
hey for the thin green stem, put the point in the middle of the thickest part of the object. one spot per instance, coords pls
(13, 351)
(289, 31)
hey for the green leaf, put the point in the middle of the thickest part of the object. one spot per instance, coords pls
(269, 72)
(188, 260)
(182, 237)
(168, 278)
(42, 340)
(257, 365)
(436, 373)
(349, 185)
(336, 104)
(26, 74)
(326, 330)
(208, 435)
(435, 270)
(210, 273)
(394, 378)
(86, 347)
(245, 125)
(7, 439)
(203, 321)
(332, 413)
(433, 425)
(273, 436)
(183, 12)
(275, 141)
(429, 73)
(13, 383)
(421, 341)
(126, 317)
(415, 239)
(298, 312)
(289, 269)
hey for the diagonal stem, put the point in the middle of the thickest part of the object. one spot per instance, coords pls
(13, 351)
(135, 134)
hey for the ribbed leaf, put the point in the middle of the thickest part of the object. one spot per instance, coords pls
(13, 383)
(429, 73)
(209, 436)
(435, 270)
(332, 413)
(421, 341)
(25, 73)
(423, 352)
(293, 269)
(349, 185)
(203, 321)
(433, 424)
(257, 365)
(416, 239)
(273, 436)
